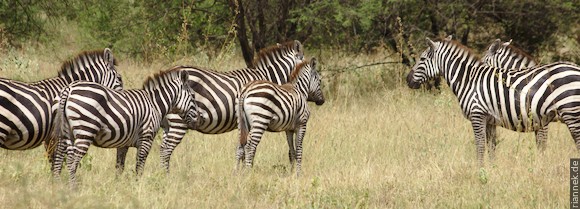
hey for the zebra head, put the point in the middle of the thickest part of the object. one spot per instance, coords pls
(111, 77)
(294, 48)
(315, 85)
(425, 68)
(505, 55)
(185, 105)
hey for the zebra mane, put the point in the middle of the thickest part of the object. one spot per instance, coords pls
(460, 46)
(520, 52)
(296, 72)
(151, 80)
(69, 64)
(263, 54)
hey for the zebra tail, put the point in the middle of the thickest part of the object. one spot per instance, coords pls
(242, 121)
(59, 121)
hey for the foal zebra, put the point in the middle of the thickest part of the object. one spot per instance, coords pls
(94, 114)
(516, 99)
(267, 106)
(217, 91)
(26, 109)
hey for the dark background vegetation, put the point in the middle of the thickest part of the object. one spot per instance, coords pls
(150, 29)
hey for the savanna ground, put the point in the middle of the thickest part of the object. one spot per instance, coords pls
(373, 144)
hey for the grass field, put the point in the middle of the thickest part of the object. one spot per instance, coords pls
(373, 144)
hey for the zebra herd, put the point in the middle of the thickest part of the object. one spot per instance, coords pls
(86, 104)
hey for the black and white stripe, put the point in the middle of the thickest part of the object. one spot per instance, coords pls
(93, 114)
(216, 93)
(266, 106)
(507, 56)
(517, 99)
(26, 109)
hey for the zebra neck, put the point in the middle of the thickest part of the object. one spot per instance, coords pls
(460, 72)
(163, 99)
(275, 70)
(300, 86)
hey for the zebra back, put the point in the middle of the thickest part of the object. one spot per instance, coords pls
(507, 56)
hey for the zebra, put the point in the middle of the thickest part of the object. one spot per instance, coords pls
(516, 99)
(216, 93)
(91, 113)
(266, 106)
(27, 110)
(507, 56)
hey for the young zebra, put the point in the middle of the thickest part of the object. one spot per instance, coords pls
(94, 114)
(267, 106)
(516, 99)
(216, 93)
(26, 109)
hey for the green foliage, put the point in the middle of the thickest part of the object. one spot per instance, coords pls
(20, 20)
(162, 29)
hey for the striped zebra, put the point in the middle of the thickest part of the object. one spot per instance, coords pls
(516, 99)
(216, 93)
(94, 114)
(266, 106)
(507, 56)
(26, 109)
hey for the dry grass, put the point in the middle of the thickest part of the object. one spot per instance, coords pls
(383, 148)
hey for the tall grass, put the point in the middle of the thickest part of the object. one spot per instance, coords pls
(374, 144)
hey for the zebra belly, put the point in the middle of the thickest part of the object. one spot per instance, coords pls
(529, 122)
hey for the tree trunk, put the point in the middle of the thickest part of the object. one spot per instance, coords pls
(247, 51)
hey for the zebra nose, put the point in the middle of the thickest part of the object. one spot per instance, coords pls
(320, 102)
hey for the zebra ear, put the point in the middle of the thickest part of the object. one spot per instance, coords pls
(507, 43)
(449, 38)
(108, 55)
(297, 46)
(313, 63)
(494, 46)
(431, 44)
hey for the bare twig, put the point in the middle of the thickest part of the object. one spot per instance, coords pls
(335, 71)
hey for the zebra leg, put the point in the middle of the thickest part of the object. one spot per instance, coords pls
(291, 148)
(573, 124)
(59, 157)
(491, 138)
(239, 155)
(542, 138)
(121, 156)
(142, 152)
(75, 153)
(479, 124)
(299, 138)
(250, 149)
(173, 132)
